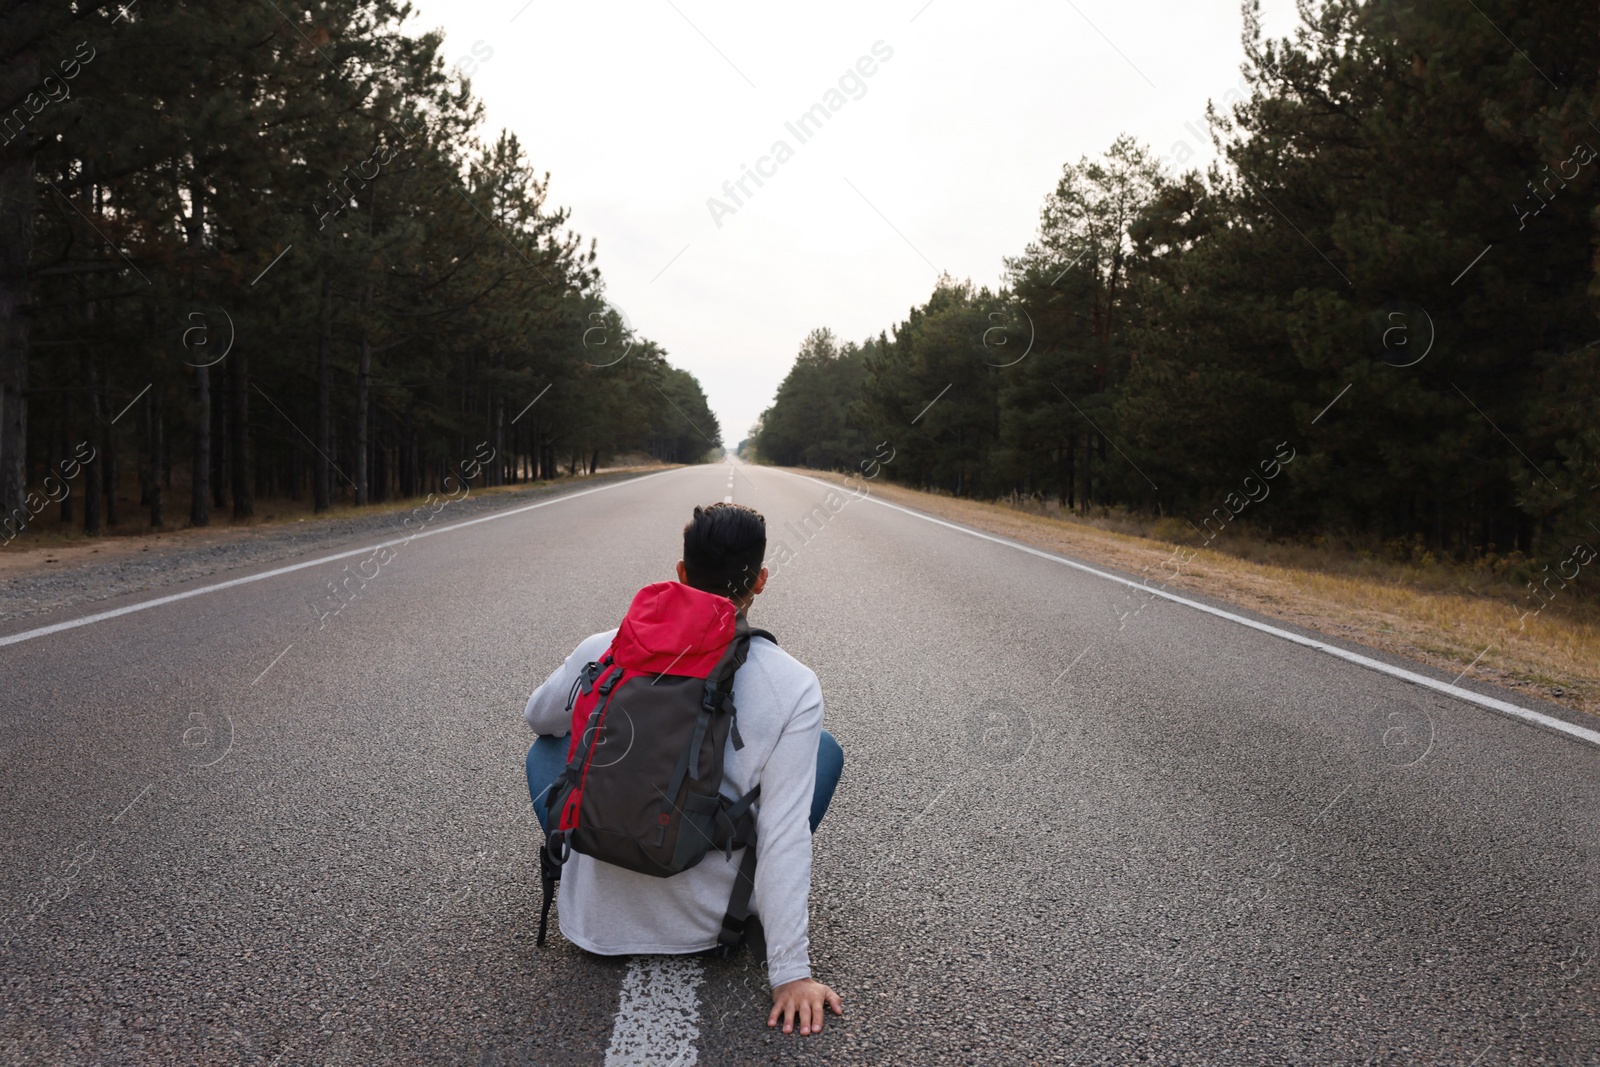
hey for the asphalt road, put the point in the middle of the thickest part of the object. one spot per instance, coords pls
(1076, 825)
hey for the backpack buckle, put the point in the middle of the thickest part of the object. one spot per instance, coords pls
(586, 677)
(731, 936)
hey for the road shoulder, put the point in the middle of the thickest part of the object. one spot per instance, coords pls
(36, 580)
(1478, 637)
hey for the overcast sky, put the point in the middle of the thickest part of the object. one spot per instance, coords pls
(937, 160)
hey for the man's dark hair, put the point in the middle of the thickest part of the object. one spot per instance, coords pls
(723, 546)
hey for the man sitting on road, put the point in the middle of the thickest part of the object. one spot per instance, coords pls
(612, 910)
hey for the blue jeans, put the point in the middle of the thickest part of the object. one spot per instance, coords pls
(548, 757)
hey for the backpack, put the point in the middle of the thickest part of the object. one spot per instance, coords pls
(642, 785)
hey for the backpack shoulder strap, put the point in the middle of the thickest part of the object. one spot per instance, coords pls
(741, 815)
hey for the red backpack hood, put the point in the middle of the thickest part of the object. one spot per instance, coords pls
(674, 628)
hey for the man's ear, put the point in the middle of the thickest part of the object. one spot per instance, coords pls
(760, 583)
(683, 573)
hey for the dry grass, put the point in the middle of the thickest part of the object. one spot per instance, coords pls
(1428, 612)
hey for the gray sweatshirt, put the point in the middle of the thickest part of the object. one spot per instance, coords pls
(615, 911)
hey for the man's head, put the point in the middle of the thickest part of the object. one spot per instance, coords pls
(723, 546)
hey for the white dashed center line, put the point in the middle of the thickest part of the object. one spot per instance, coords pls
(658, 1019)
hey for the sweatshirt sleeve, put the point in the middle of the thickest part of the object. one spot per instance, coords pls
(546, 711)
(783, 839)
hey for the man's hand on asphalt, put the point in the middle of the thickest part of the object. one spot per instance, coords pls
(801, 1001)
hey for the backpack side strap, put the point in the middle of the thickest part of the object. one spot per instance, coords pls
(549, 877)
(732, 934)
(742, 832)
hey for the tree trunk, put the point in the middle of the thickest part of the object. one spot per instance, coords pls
(363, 403)
(1088, 455)
(321, 480)
(93, 483)
(18, 74)
(382, 464)
(408, 465)
(200, 491)
(1072, 472)
(194, 229)
(496, 472)
(219, 447)
(239, 427)
(66, 501)
(108, 470)
(156, 448)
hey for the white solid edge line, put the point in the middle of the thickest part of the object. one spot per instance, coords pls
(143, 605)
(1528, 715)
